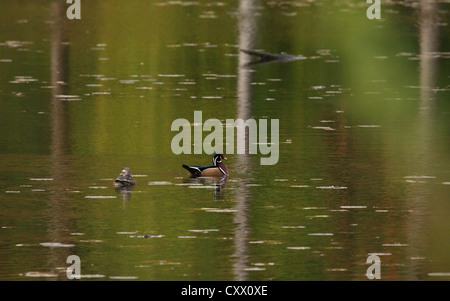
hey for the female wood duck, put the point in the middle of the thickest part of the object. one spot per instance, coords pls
(218, 169)
(124, 179)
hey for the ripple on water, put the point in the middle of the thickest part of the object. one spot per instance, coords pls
(123, 277)
(337, 270)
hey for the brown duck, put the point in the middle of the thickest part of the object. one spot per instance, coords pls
(124, 179)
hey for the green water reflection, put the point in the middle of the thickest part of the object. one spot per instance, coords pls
(364, 140)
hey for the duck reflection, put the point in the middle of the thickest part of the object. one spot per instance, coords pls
(125, 192)
(219, 183)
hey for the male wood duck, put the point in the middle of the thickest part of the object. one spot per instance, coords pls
(124, 179)
(218, 169)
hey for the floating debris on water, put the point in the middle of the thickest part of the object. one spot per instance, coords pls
(212, 97)
(325, 128)
(203, 186)
(186, 236)
(129, 81)
(368, 126)
(41, 179)
(414, 181)
(221, 210)
(298, 248)
(254, 269)
(155, 183)
(320, 234)
(23, 79)
(293, 227)
(123, 277)
(126, 232)
(68, 97)
(146, 236)
(439, 274)
(262, 264)
(171, 75)
(92, 276)
(40, 274)
(353, 207)
(395, 245)
(270, 242)
(77, 233)
(100, 197)
(203, 230)
(417, 258)
(313, 208)
(419, 177)
(56, 245)
(101, 93)
(12, 191)
(331, 187)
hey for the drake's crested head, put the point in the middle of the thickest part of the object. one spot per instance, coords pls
(217, 159)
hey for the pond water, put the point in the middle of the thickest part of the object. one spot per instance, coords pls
(364, 140)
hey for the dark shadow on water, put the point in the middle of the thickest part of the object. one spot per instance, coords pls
(267, 58)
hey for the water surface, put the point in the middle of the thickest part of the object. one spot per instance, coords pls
(364, 141)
